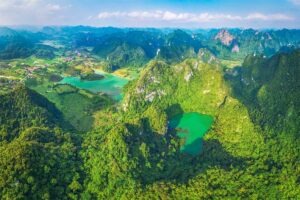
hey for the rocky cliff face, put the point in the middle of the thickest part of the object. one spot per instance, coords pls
(225, 37)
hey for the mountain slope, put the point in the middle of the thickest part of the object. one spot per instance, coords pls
(269, 87)
(237, 43)
(23, 108)
(38, 159)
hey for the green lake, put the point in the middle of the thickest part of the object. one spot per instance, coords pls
(111, 84)
(191, 127)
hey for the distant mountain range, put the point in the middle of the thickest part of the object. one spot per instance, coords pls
(119, 47)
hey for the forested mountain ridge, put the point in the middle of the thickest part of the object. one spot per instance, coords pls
(237, 44)
(20, 44)
(38, 158)
(240, 158)
(23, 108)
(269, 87)
(143, 45)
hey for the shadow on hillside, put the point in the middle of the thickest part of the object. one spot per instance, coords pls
(174, 110)
(165, 162)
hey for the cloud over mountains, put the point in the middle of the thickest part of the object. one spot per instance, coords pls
(192, 17)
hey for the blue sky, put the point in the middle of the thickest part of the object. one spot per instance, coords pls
(153, 13)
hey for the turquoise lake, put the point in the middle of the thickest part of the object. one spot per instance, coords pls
(111, 84)
(191, 127)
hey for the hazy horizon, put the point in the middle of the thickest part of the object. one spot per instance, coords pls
(31, 27)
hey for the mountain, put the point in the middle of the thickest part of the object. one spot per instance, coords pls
(175, 45)
(20, 44)
(38, 158)
(268, 86)
(240, 157)
(131, 49)
(225, 37)
(15, 46)
(5, 32)
(172, 45)
(23, 108)
(237, 43)
(136, 48)
(178, 46)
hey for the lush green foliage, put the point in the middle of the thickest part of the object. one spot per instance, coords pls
(269, 88)
(61, 142)
(38, 159)
(239, 159)
(77, 106)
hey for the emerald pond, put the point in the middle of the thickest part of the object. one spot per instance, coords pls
(191, 127)
(111, 84)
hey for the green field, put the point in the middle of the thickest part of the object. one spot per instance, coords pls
(76, 105)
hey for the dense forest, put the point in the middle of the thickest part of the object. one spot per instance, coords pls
(61, 142)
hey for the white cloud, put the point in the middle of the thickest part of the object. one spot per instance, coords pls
(273, 17)
(53, 7)
(28, 5)
(296, 2)
(11, 4)
(169, 16)
(33, 12)
(191, 17)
